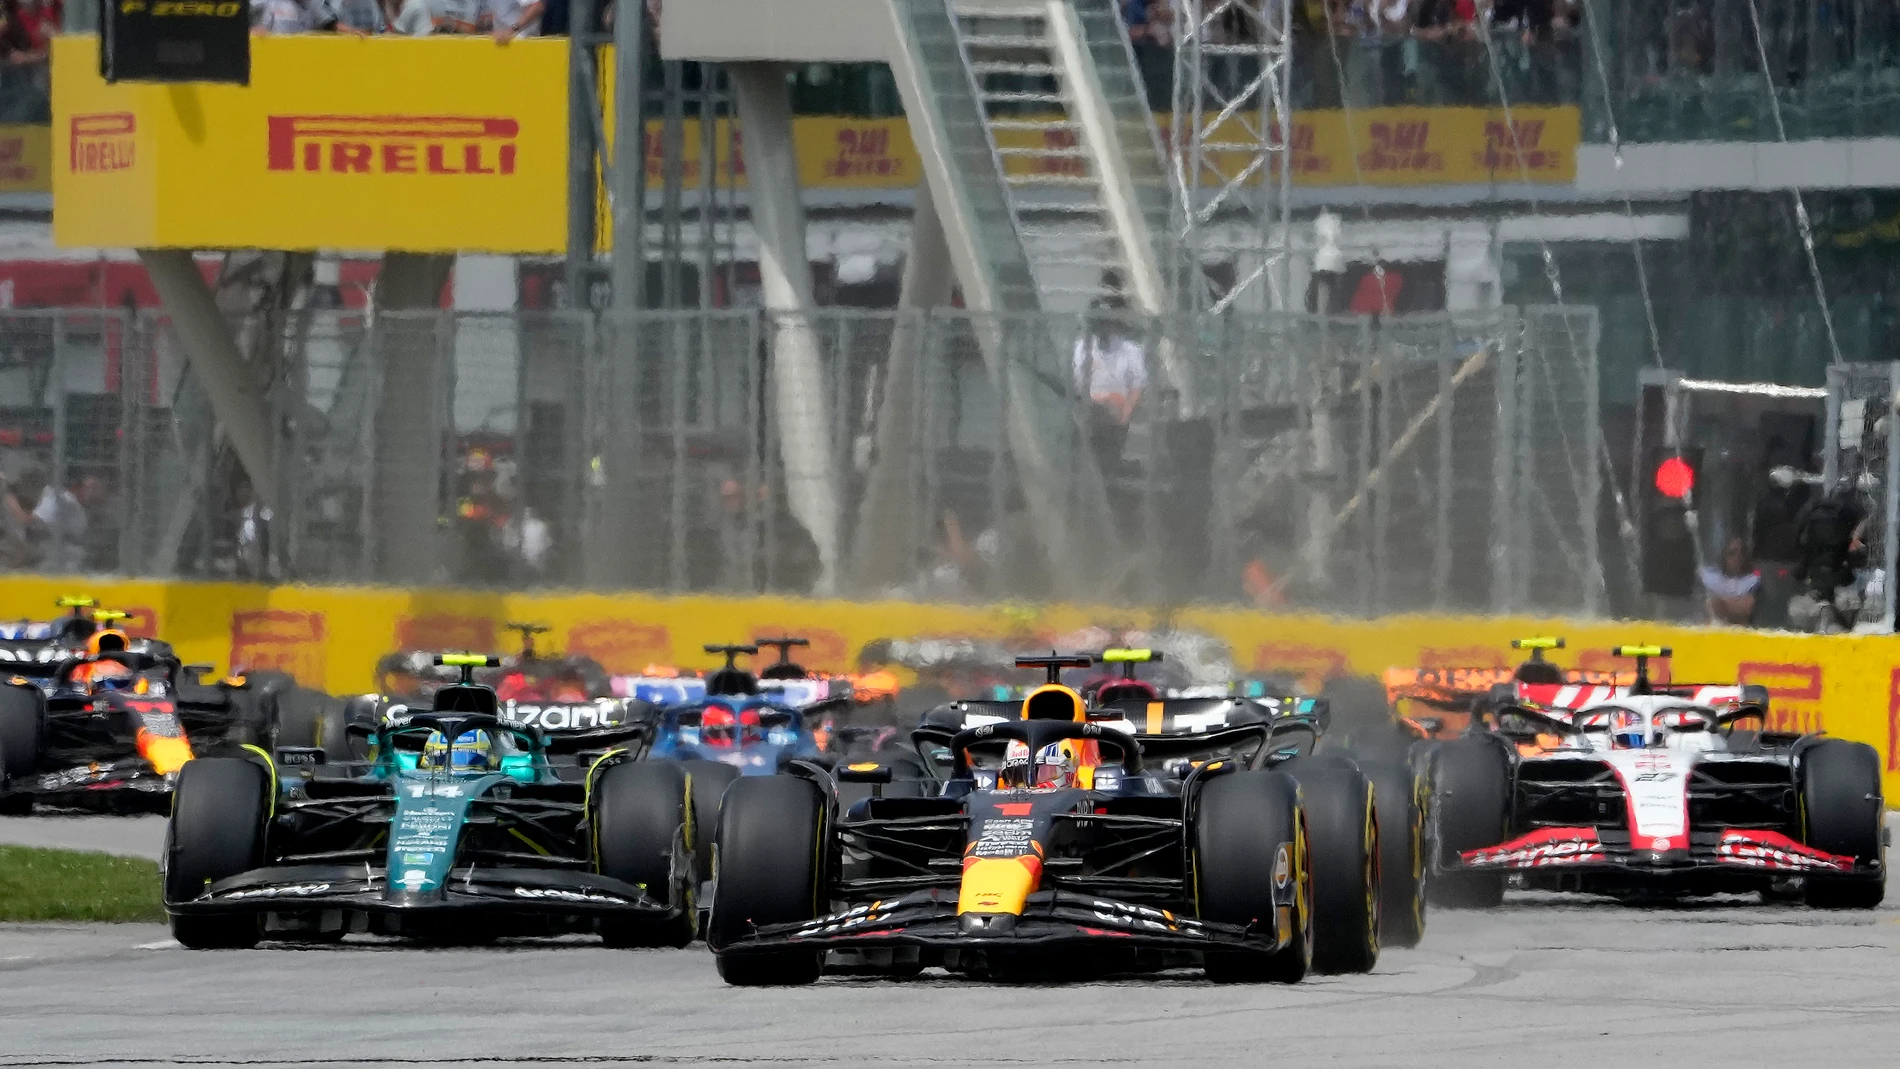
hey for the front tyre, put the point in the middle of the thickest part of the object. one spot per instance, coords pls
(1841, 801)
(1400, 794)
(1471, 808)
(1249, 841)
(768, 868)
(219, 808)
(710, 780)
(20, 718)
(1342, 820)
(639, 815)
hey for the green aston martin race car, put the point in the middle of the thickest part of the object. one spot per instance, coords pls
(449, 825)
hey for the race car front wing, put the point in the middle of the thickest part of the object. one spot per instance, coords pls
(1053, 917)
(362, 889)
(1733, 849)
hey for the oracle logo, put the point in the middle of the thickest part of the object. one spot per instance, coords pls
(392, 144)
(102, 143)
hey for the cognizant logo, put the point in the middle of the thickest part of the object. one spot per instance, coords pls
(392, 144)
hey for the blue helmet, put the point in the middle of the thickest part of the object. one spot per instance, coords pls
(472, 752)
(1628, 731)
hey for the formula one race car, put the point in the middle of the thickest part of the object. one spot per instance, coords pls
(1133, 705)
(567, 698)
(1653, 790)
(35, 648)
(111, 727)
(1055, 849)
(454, 827)
(741, 725)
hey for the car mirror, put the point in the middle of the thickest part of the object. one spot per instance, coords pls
(199, 671)
(864, 772)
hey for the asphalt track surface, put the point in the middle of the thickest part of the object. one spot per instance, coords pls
(1541, 982)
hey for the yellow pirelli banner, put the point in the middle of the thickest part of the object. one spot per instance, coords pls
(26, 159)
(1845, 685)
(339, 142)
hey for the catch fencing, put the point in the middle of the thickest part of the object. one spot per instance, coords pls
(1357, 465)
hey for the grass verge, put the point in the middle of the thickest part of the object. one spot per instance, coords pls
(68, 885)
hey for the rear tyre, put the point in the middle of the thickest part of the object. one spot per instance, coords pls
(1400, 794)
(1471, 808)
(710, 780)
(20, 720)
(640, 812)
(219, 807)
(1343, 823)
(1841, 799)
(769, 868)
(1247, 832)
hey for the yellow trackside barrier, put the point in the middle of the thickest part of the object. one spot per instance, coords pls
(331, 637)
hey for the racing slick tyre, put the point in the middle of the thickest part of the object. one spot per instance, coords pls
(19, 744)
(1342, 822)
(1470, 809)
(710, 780)
(639, 816)
(768, 868)
(1843, 810)
(216, 831)
(300, 716)
(1248, 834)
(1400, 793)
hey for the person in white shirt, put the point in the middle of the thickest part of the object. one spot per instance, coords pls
(420, 18)
(1732, 586)
(65, 519)
(513, 18)
(1112, 369)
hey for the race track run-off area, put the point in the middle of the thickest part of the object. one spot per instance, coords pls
(1543, 981)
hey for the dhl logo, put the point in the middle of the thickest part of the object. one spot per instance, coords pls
(102, 143)
(1401, 146)
(1502, 150)
(392, 144)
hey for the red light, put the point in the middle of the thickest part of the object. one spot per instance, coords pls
(1675, 478)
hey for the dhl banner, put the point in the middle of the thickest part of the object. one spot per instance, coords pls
(339, 142)
(26, 159)
(1846, 685)
(1393, 147)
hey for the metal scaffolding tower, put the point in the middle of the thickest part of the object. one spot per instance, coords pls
(1230, 141)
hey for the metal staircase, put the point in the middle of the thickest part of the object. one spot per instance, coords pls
(1061, 106)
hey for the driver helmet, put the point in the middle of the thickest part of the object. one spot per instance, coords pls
(105, 675)
(1627, 730)
(717, 726)
(472, 751)
(1054, 766)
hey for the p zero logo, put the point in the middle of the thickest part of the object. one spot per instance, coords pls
(100, 144)
(392, 144)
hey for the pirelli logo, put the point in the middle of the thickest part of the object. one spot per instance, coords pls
(101, 143)
(392, 144)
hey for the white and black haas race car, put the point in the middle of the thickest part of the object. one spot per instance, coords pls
(1653, 791)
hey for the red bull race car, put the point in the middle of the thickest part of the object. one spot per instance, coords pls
(1650, 790)
(1055, 847)
(111, 725)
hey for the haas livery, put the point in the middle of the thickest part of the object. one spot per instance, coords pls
(1641, 789)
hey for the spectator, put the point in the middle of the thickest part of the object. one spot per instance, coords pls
(1112, 369)
(420, 18)
(20, 531)
(1829, 531)
(1731, 587)
(64, 515)
(509, 19)
(253, 535)
(291, 16)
